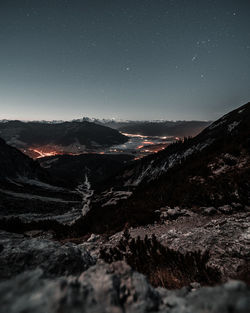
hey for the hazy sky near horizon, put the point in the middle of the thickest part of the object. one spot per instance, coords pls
(128, 59)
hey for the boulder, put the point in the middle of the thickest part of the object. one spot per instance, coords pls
(209, 210)
(102, 288)
(226, 209)
(24, 253)
(93, 238)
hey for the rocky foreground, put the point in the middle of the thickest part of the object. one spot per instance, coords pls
(115, 288)
(39, 274)
(226, 237)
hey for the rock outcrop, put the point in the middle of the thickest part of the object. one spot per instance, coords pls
(115, 288)
(225, 237)
(19, 253)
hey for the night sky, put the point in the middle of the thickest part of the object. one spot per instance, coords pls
(128, 59)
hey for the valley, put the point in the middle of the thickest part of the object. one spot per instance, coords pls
(136, 145)
(183, 208)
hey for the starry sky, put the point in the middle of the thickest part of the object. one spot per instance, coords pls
(127, 59)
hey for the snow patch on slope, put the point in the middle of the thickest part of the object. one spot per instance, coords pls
(117, 196)
(86, 192)
(47, 164)
(151, 172)
(38, 183)
(67, 218)
(240, 111)
(34, 197)
(232, 126)
(216, 124)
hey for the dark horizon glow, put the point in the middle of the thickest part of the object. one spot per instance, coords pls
(123, 59)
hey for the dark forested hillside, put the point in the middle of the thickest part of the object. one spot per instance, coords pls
(21, 135)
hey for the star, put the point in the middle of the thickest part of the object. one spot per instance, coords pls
(194, 57)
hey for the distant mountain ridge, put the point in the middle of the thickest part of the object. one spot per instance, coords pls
(74, 135)
(179, 128)
(155, 127)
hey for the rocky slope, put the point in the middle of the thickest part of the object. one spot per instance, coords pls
(225, 237)
(229, 134)
(25, 253)
(63, 277)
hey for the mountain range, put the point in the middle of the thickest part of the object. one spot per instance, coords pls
(64, 137)
(153, 127)
(177, 219)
